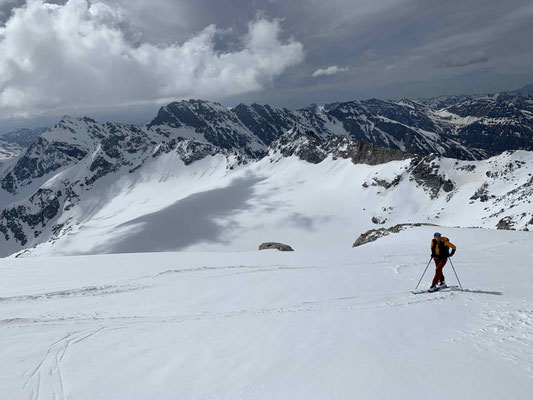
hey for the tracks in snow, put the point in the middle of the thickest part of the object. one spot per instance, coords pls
(502, 328)
(79, 292)
(46, 380)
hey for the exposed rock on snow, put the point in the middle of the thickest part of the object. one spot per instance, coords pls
(276, 246)
(505, 223)
(43, 206)
(425, 172)
(314, 149)
(379, 220)
(481, 193)
(374, 234)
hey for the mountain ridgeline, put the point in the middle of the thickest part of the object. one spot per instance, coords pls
(67, 172)
(462, 127)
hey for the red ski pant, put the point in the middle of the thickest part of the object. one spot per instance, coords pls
(439, 264)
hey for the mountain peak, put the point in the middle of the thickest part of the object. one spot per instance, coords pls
(68, 120)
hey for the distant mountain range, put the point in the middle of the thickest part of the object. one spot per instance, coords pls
(463, 127)
(66, 175)
(22, 137)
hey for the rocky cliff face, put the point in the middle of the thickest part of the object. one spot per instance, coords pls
(313, 148)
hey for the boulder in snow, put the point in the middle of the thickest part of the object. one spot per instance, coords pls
(274, 245)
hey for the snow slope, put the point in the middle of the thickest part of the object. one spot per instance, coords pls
(331, 324)
(214, 205)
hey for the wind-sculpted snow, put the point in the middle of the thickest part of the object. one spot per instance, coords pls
(266, 324)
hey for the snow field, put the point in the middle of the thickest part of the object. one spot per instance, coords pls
(335, 323)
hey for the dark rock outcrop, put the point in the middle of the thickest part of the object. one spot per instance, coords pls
(13, 220)
(275, 246)
(314, 149)
(425, 172)
(374, 234)
(505, 223)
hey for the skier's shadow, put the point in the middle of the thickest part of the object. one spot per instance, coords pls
(492, 292)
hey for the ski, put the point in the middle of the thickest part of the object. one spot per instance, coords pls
(444, 289)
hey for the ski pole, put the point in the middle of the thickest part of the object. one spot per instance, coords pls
(423, 273)
(456, 274)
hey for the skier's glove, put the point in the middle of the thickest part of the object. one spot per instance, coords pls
(452, 253)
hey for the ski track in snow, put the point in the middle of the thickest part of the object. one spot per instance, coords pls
(495, 323)
(128, 287)
(45, 380)
(507, 331)
(79, 292)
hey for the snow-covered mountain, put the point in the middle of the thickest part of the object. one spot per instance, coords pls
(464, 127)
(23, 137)
(85, 187)
(351, 155)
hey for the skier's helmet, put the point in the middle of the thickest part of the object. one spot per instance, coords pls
(436, 235)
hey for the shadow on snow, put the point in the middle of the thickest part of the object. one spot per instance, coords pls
(186, 222)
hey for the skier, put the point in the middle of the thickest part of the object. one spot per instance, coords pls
(440, 246)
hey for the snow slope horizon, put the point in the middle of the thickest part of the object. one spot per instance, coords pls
(215, 205)
(308, 324)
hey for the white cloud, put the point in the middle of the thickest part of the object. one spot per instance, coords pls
(329, 70)
(62, 58)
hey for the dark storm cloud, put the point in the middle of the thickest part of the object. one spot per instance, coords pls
(6, 6)
(386, 43)
(386, 48)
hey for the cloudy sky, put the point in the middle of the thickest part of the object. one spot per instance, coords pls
(121, 59)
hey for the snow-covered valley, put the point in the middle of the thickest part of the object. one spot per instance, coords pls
(313, 324)
(214, 205)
